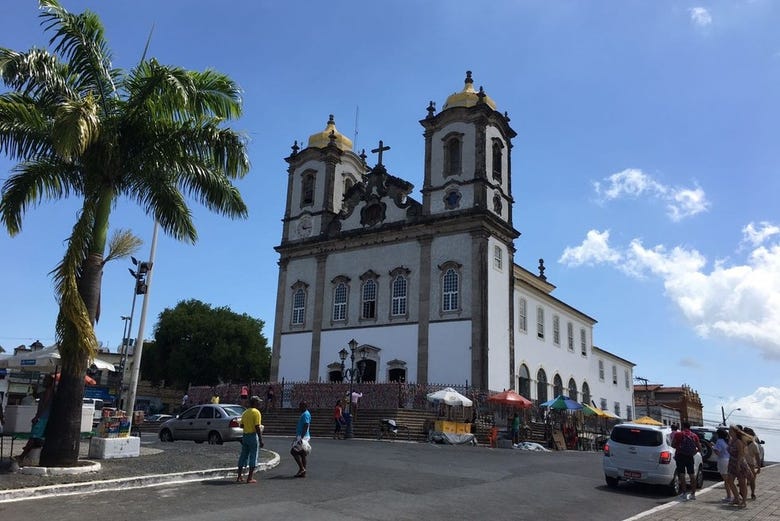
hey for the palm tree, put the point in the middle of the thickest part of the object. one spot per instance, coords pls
(79, 127)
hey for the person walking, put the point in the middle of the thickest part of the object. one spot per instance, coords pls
(269, 397)
(753, 456)
(251, 441)
(353, 408)
(721, 450)
(516, 429)
(338, 420)
(301, 447)
(686, 445)
(738, 466)
(40, 420)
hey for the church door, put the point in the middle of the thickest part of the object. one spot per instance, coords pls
(367, 370)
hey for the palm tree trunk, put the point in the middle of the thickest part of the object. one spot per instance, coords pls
(63, 431)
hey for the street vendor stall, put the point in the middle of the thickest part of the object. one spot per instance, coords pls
(450, 430)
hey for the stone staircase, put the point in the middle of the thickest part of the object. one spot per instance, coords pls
(413, 424)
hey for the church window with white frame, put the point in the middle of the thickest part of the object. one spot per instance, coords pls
(570, 335)
(556, 330)
(340, 296)
(299, 307)
(450, 287)
(583, 342)
(368, 304)
(498, 258)
(601, 370)
(540, 323)
(522, 319)
(399, 292)
(627, 378)
(614, 374)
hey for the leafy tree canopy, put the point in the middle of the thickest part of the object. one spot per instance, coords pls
(202, 345)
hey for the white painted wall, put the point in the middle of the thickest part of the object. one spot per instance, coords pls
(295, 357)
(498, 317)
(449, 352)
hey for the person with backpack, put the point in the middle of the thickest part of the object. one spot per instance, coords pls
(686, 444)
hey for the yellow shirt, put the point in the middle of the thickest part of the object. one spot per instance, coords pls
(215, 399)
(250, 419)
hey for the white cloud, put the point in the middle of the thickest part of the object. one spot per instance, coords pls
(593, 250)
(633, 183)
(700, 16)
(756, 235)
(739, 302)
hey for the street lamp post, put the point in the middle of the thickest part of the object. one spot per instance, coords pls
(727, 416)
(140, 276)
(351, 374)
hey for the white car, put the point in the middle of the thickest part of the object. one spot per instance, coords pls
(644, 454)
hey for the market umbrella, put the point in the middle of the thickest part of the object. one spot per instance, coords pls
(589, 410)
(647, 420)
(562, 403)
(512, 399)
(46, 359)
(449, 396)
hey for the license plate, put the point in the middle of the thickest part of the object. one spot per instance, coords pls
(632, 474)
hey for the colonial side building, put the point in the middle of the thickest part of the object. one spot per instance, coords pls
(428, 288)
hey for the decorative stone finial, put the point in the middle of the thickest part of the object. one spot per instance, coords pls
(431, 109)
(541, 269)
(481, 95)
(468, 77)
(295, 148)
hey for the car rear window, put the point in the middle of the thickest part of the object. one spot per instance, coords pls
(635, 436)
(234, 410)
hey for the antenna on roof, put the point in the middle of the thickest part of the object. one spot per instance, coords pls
(357, 117)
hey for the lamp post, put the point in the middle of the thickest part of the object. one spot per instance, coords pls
(726, 416)
(140, 276)
(350, 373)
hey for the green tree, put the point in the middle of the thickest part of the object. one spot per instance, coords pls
(79, 127)
(197, 344)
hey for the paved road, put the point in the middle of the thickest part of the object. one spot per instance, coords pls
(366, 480)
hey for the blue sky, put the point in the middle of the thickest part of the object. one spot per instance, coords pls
(645, 170)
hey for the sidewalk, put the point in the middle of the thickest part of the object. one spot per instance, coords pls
(707, 507)
(169, 463)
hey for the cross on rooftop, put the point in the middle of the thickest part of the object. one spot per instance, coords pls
(379, 150)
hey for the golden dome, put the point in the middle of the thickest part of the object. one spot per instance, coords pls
(322, 139)
(468, 97)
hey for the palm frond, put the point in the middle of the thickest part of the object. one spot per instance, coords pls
(24, 127)
(122, 244)
(76, 126)
(80, 40)
(48, 177)
(215, 94)
(35, 73)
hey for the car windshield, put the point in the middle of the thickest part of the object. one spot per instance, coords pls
(637, 436)
(234, 410)
(707, 435)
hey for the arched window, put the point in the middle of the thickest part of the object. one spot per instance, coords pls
(298, 311)
(307, 188)
(453, 147)
(368, 305)
(340, 302)
(557, 386)
(398, 308)
(497, 204)
(586, 398)
(541, 386)
(498, 159)
(572, 389)
(524, 382)
(450, 290)
(299, 307)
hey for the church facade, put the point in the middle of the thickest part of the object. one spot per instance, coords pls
(428, 288)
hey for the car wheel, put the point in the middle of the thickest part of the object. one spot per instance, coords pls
(611, 482)
(674, 486)
(198, 441)
(700, 479)
(166, 435)
(215, 438)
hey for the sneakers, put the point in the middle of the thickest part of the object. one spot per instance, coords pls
(683, 496)
(692, 497)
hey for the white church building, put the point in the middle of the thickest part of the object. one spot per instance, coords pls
(429, 289)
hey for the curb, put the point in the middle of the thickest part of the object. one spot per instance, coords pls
(152, 480)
